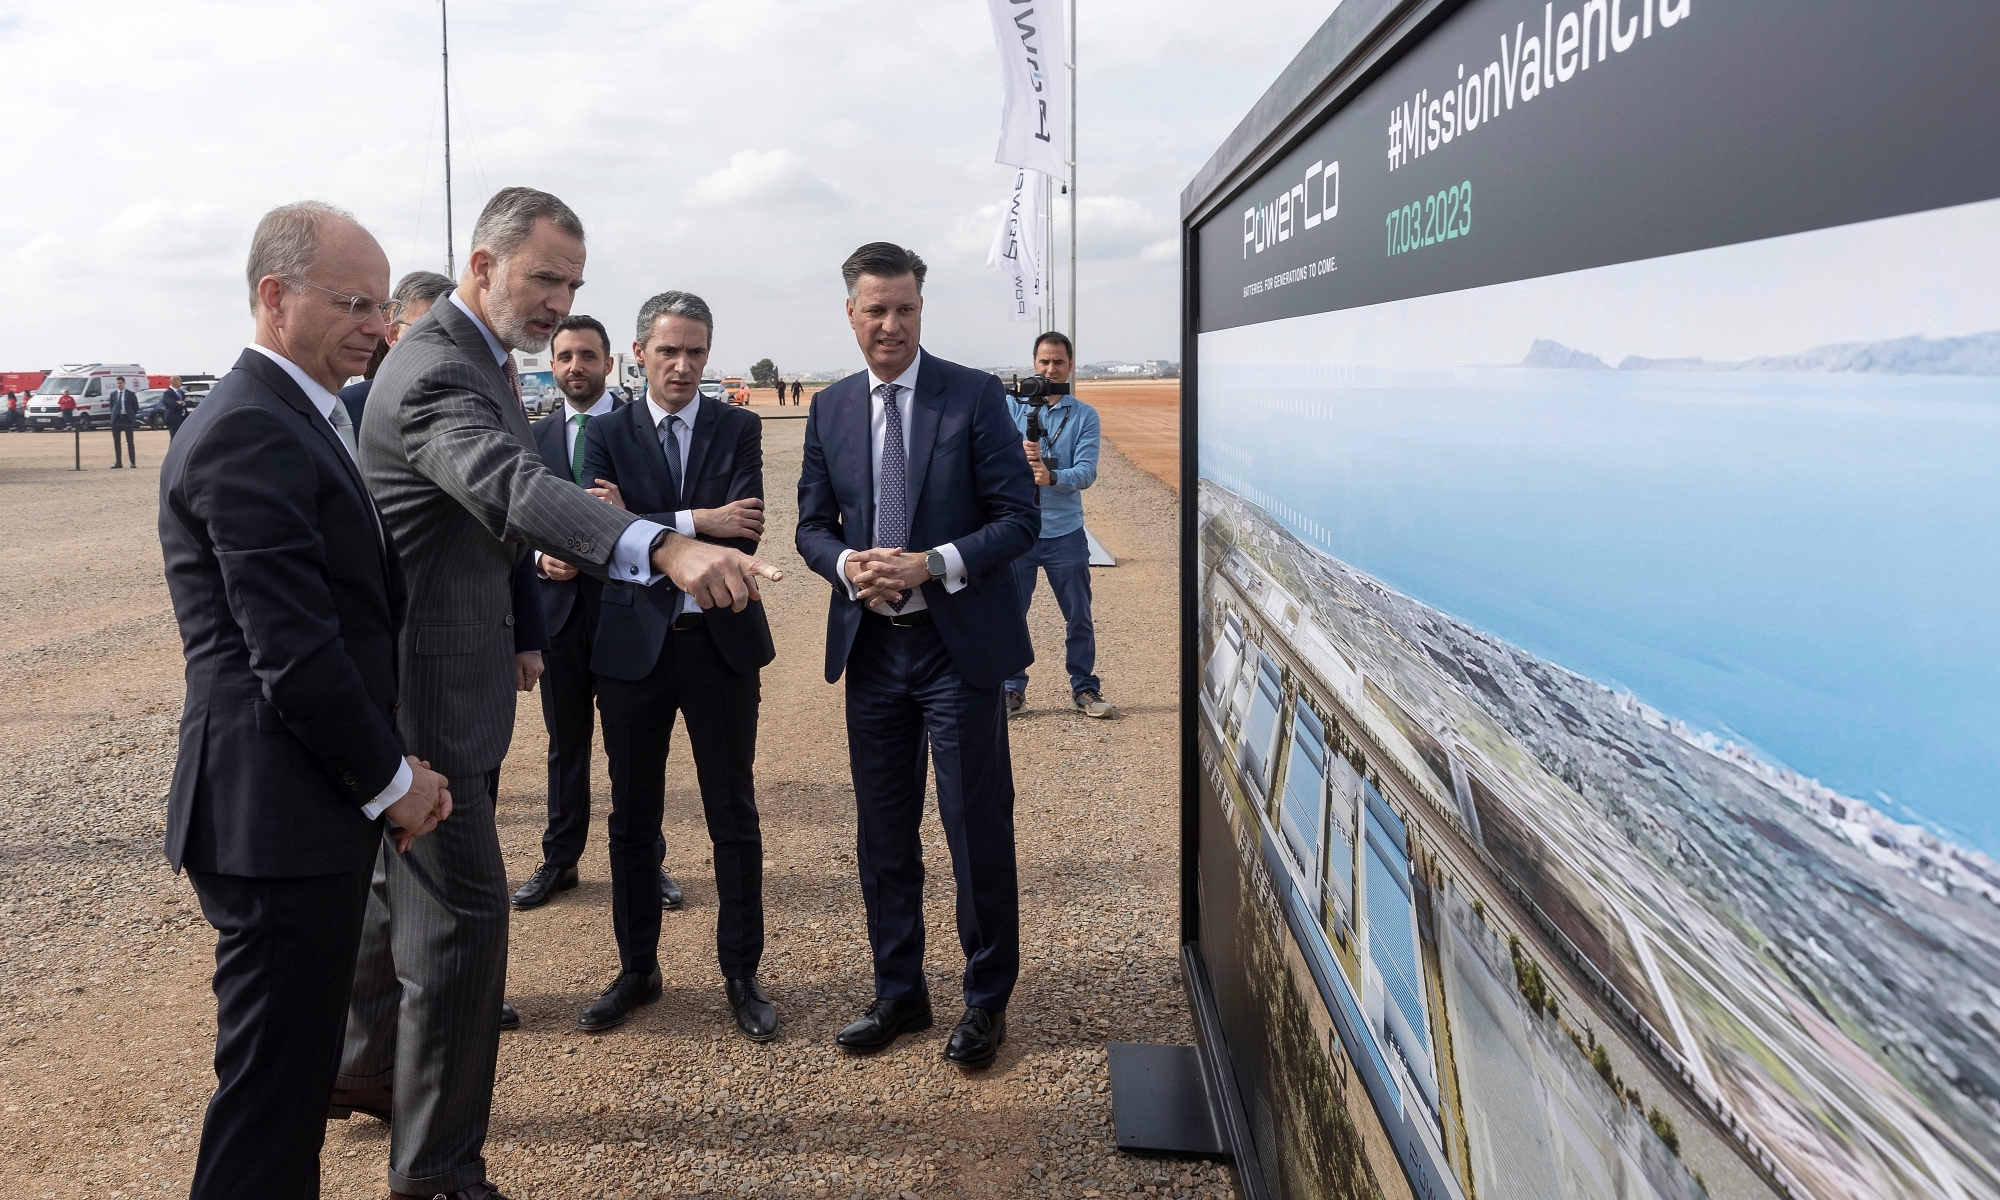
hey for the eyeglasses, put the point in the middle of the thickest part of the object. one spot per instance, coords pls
(357, 306)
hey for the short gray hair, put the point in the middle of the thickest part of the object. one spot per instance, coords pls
(420, 286)
(509, 218)
(287, 241)
(678, 304)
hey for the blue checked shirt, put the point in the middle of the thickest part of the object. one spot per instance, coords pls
(1070, 453)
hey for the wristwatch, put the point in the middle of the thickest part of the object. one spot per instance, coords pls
(935, 561)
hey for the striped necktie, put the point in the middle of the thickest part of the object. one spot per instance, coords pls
(892, 514)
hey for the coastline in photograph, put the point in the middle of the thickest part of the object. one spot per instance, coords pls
(1652, 671)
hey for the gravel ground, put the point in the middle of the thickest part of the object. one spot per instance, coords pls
(108, 1025)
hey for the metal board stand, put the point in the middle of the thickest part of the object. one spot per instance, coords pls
(1099, 556)
(1159, 1103)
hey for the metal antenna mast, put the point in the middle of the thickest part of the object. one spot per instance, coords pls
(1072, 170)
(450, 258)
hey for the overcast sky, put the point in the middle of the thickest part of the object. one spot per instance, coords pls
(736, 148)
(1927, 274)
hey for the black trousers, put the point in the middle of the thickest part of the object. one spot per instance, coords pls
(720, 707)
(905, 702)
(568, 692)
(284, 963)
(129, 450)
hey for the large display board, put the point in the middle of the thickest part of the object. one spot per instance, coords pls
(1593, 530)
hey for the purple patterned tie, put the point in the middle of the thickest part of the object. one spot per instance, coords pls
(513, 374)
(892, 515)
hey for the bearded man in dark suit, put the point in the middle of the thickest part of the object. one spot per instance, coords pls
(449, 455)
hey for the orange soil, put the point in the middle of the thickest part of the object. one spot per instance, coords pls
(1142, 418)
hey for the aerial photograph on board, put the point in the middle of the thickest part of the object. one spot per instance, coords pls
(1601, 666)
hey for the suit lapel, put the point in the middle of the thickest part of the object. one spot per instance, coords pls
(639, 419)
(465, 334)
(273, 376)
(704, 434)
(850, 446)
(926, 410)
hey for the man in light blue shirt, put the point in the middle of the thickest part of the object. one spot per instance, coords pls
(1064, 462)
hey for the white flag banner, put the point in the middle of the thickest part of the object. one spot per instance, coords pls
(1017, 247)
(1030, 36)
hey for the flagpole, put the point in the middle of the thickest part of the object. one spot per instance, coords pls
(1048, 266)
(450, 257)
(1071, 65)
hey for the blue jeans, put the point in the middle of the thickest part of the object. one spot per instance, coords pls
(1066, 559)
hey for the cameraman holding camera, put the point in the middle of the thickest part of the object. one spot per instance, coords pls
(1059, 433)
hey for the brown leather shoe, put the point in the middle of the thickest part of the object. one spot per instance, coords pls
(483, 1190)
(345, 1102)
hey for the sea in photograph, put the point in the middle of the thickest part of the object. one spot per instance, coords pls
(1806, 563)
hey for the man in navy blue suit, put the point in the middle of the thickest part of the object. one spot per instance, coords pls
(915, 499)
(290, 597)
(698, 467)
(580, 356)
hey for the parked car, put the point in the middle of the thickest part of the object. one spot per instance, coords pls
(737, 391)
(90, 384)
(711, 389)
(152, 408)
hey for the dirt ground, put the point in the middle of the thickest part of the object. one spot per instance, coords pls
(1143, 418)
(107, 1024)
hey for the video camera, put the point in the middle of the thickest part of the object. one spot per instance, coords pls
(1040, 392)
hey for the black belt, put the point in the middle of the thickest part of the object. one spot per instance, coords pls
(689, 620)
(903, 620)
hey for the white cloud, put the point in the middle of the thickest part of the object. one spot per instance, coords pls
(760, 178)
(740, 148)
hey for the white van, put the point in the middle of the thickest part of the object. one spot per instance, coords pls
(91, 384)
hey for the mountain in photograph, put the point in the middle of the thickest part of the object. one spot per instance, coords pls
(1976, 354)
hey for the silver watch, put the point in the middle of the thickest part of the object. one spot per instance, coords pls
(935, 561)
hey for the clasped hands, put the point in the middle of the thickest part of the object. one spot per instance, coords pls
(885, 573)
(716, 576)
(426, 803)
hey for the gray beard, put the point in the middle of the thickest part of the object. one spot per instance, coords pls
(509, 327)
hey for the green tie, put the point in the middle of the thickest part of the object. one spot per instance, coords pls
(576, 456)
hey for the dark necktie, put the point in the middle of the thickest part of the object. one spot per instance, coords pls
(581, 421)
(513, 374)
(670, 444)
(892, 515)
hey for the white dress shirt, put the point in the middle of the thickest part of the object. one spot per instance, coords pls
(684, 434)
(602, 406)
(631, 558)
(878, 430)
(324, 401)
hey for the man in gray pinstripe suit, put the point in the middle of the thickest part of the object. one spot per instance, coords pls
(449, 456)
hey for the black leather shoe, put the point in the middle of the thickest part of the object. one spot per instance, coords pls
(670, 893)
(883, 1023)
(345, 1102)
(543, 885)
(977, 1039)
(509, 1019)
(628, 992)
(756, 1016)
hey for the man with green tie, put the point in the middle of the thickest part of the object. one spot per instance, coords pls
(580, 356)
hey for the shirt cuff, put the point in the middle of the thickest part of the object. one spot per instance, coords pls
(954, 568)
(684, 522)
(631, 558)
(398, 788)
(840, 571)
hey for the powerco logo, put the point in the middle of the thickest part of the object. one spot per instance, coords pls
(1034, 58)
(1303, 206)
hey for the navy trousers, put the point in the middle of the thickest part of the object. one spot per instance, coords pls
(568, 690)
(720, 708)
(905, 699)
(284, 962)
(1066, 559)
